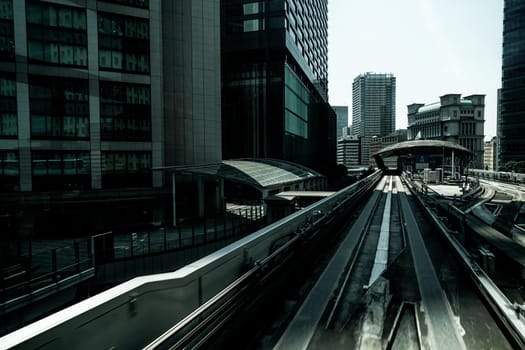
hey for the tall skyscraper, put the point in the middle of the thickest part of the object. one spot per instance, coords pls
(373, 108)
(512, 119)
(342, 119)
(94, 95)
(274, 74)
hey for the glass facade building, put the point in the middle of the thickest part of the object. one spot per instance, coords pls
(342, 119)
(96, 94)
(511, 121)
(274, 77)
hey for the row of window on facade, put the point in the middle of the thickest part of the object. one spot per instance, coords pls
(59, 108)
(58, 35)
(73, 168)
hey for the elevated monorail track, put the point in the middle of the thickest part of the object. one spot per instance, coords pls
(386, 284)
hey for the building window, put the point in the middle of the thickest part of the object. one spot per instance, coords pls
(7, 37)
(8, 117)
(126, 169)
(253, 25)
(296, 101)
(253, 8)
(9, 171)
(125, 111)
(143, 4)
(56, 35)
(60, 170)
(123, 43)
(59, 108)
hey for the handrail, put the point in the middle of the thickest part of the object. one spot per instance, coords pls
(230, 259)
(27, 284)
(218, 298)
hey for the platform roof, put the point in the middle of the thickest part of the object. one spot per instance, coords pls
(418, 147)
(260, 173)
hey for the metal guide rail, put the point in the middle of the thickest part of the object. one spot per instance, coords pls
(325, 310)
(503, 308)
(134, 313)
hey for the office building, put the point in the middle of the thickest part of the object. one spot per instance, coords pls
(274, 79)
(512, 118)
(373, 109)
(453, 118)
(97, 94)
(342, 119)
(498, 130)
(490, 154)
(349, 150)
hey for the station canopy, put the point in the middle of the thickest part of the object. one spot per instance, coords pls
(259, 173)
(418, 147)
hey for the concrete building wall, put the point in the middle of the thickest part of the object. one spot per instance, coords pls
(453, 118)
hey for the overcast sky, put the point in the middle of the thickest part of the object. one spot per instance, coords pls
(433, 47)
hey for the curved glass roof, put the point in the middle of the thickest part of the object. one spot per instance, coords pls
(410, 146)
(264, 173)
(260, 173)
(429, 107)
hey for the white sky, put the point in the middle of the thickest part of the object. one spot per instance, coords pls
(433, 47)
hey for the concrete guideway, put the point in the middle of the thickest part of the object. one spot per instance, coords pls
(443, 332)
(303, 326)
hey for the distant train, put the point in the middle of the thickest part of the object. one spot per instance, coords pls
(503, 176)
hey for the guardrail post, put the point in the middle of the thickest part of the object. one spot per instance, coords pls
(233, 224)
(192, 233)
(165, 238)
(180, 237)
(90, 251)
(205, 229)
(54, 263)
(215, 226)
(149, 242)
(77, 256)
(131, 236)
(224, 225)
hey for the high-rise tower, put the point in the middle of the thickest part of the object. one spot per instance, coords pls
(373, 108)
(511, 122)
(274, 78)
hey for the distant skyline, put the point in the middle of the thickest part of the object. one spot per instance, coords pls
(433, 47)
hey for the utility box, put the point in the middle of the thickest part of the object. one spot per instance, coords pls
(487, 260)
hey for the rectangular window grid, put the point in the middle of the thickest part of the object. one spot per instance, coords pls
(7, 36)
(60, 170)
(123, 43)
(125, 111)
(126, 169)
(8, 116)
(56, 34)
(59, 108)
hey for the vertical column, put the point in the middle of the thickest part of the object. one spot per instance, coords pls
(220, 207)
(200, 195)
(22, 96)
(174, 198)
(157, 100)
(94, 96)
